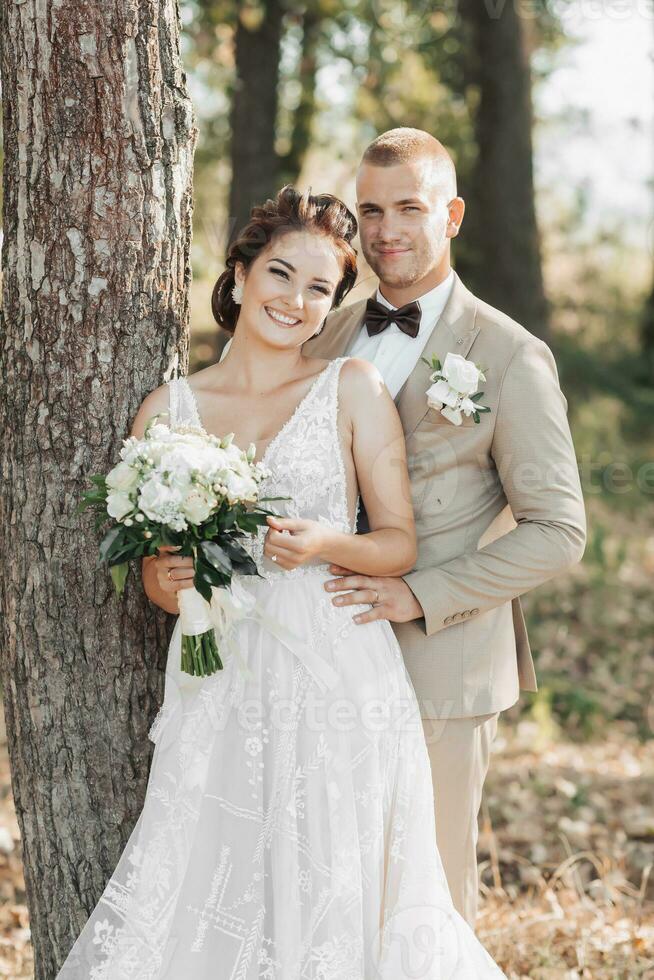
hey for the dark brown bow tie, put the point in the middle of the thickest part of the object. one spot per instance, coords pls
(378, 317)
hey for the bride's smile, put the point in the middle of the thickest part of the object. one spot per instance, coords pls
(281, 317)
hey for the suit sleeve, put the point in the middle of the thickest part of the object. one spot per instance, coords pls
(535, 460)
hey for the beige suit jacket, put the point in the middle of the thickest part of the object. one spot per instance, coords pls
(498, 506)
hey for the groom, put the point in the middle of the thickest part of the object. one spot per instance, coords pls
(498, 504)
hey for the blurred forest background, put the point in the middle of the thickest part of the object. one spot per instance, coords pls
(546, 110)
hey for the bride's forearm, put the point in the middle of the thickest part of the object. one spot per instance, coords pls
(387, 551)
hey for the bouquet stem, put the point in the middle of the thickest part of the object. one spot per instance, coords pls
(200, 655)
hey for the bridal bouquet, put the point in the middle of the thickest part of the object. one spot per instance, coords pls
(184, 487)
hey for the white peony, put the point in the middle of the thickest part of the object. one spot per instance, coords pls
(158, 501)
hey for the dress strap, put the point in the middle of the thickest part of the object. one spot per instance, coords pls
(182, 404)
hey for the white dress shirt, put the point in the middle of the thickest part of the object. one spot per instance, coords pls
(392, 351)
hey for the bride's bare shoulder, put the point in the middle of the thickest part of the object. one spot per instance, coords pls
(157, 402)
(360, 378)
(154, 403)
(360, 384)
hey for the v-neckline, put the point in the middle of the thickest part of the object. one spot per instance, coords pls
(286, 424)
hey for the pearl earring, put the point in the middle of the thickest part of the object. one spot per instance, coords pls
(237, 294)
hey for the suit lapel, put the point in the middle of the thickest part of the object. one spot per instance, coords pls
(454, 332)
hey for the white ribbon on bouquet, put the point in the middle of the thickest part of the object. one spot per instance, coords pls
(233, 604)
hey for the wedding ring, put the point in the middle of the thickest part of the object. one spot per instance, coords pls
(170, 578)
(376, 599)
(274, 558)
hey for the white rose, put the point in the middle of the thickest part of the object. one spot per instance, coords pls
(198, 505)
(122, 477)
(118, 504)
(462, 375)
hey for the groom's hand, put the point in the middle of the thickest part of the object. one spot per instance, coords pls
(396, 601)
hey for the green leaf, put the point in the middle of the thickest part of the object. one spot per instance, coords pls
(206, 577)
(476, 417)
(119, 575)
(110, 541)
(246, 566)
(216, 555)
(476, 396)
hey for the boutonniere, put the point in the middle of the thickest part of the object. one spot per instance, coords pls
(454, 388)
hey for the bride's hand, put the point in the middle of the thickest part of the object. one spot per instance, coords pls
(174, 572)
(293, 541)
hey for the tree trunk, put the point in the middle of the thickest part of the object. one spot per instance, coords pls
(255, 165)
(99, 138)
(293, 161)
(502, 218)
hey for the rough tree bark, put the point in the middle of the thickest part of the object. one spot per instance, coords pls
(99, 139)
(255, 164)
(502, 217)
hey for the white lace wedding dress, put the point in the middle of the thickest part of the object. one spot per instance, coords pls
(288, 826)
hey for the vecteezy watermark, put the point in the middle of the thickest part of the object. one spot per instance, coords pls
(608, 475)
(567, 13)
(418, 23)
(418, 942)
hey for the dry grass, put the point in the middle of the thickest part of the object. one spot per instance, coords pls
(566, 851)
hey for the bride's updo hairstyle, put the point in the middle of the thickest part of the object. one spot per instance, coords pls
(290, 211)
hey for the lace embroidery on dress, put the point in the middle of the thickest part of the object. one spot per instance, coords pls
(182, 405)
(306, 460)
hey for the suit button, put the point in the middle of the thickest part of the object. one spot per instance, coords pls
(466, 614)
(447, 620)
(474, 611)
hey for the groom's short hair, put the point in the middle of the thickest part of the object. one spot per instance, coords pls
(404, 145)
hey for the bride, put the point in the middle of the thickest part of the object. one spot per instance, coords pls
(288, 826)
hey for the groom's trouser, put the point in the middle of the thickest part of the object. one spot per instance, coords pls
(459, 751)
